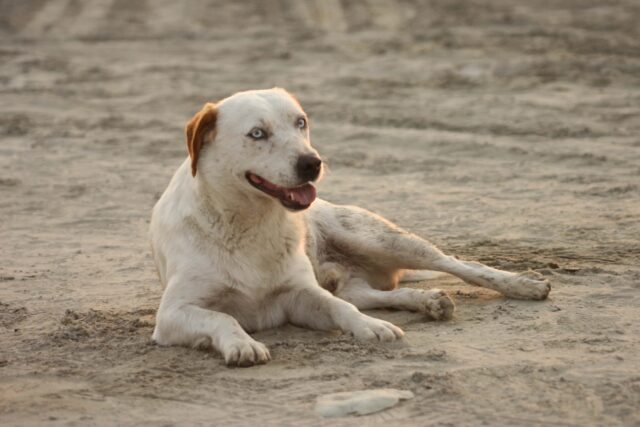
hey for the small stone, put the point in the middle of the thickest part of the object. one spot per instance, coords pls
(360, 402)
(418, 377)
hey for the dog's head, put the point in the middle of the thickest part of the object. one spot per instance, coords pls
(257, 143)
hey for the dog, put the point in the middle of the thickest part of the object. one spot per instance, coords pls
(242, 244)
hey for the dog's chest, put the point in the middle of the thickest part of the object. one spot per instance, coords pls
(261, 260)
(256, 270)
(254, 287)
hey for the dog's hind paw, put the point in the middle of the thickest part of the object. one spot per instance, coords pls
(528, 285)
(436, 304)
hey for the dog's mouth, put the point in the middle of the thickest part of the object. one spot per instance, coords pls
(296, 198)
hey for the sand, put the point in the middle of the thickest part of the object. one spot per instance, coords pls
(504, 131)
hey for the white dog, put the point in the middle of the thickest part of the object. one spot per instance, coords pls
(240, 245)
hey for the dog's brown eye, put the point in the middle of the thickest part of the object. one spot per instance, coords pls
(301, 123)
(257, 133)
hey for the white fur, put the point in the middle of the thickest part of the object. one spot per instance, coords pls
(233, 260)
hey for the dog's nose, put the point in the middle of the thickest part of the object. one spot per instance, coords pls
(308, 167)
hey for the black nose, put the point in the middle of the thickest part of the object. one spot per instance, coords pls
(308, 167)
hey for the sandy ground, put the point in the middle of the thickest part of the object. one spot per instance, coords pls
(504, 131)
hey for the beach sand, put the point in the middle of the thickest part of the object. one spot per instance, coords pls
(504, 131)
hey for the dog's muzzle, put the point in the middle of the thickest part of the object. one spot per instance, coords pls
(294, 198)
(308, 168)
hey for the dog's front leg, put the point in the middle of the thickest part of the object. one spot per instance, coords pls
(316, 308)
(181, 322)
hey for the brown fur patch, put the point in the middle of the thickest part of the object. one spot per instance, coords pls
(197, 129)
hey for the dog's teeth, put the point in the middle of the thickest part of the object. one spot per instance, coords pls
(291, 196)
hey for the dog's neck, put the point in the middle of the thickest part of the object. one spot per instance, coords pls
(242, 213)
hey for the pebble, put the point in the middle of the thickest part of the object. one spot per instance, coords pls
(360, 402)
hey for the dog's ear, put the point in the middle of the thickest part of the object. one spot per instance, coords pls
(202, 124)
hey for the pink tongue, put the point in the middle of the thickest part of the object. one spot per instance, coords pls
(303, 195)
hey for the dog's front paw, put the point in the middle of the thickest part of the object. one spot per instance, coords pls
(436, 304)
(529, 285)
(247, 352)
(370, 329)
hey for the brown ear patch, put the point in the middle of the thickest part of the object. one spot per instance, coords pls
(197, 129)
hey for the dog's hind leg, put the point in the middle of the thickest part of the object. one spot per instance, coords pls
(419, 275)
(379, 245)
(433, 302)
(338, 280)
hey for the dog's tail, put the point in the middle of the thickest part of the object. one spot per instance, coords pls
(419, 275)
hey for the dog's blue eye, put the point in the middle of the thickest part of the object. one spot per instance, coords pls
(301, 123)
(257, 133)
